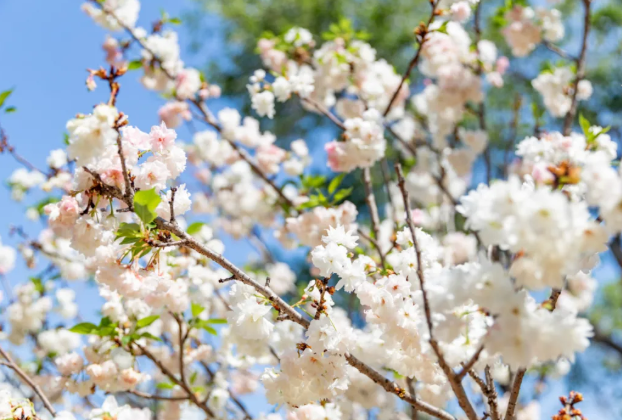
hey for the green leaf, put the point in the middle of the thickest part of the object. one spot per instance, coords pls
(106, 331)
(129, 230)
(322, 198)
(84, 328)
(216, 321)
(10, 109)
(127, 241)
(193, 377)
(313, 181)
(205, 325)
(151, 336)
(194, 228)
(106, 322)
(145, 322)
(38, 284)
(145, 203)
(126, 339)
(336, 181)
(165, 385)
(209, 329)
(135, 65)
(585, 124)
(196, 309)
(4, 95)
(342, 194)
(313, 201)
(443, 27)
(174, 21)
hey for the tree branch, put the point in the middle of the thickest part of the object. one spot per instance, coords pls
(24, 377)
(182, 384)
(569, 119)
(370, 199)
(423, 33)
(518, 380)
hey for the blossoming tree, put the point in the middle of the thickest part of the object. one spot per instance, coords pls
(437, 305)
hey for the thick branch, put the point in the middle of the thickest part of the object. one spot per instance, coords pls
(518, 380)
(454, 382)
(278, 303)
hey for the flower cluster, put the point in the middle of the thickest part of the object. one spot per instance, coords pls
(337, 310)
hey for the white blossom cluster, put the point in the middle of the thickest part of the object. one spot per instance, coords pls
(341, 313)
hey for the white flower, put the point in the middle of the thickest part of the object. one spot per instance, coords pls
(125, 11)
(247, 319)
(299, 37)
(69, 363)
(109, 409)
(281, 88)
(90, 135)
(332, 258)
(322, 335)
(218, 398)
(263, 103)
(340, 236)
(7, 258)
(57, 158)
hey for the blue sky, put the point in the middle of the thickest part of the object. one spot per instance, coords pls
(48, 45)
(46, 63)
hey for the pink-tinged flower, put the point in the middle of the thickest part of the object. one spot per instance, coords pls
(63, 215)
(204, 175)
(114, 177)
(269, 157)
(114, 56)
(503, 63)
(161, 137)
(541, 174)
(152, 174)
(90, 82)
(265, 45)
(188, 83)
(172, 113)
(417, 216)
(136, 138)
(460, 11)
(214, 91)
(334, 152)
(271, 57)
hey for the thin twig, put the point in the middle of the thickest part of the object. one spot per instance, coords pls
(557, 50)
(322, 110)
(191, 395)
(466, 367)
(401, 182)
(155, 397)
(568, 120)
(481, 111)
(370, 199)
(24, 376)
(423, 35)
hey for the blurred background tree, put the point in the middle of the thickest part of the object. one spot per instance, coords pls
(512, 113)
